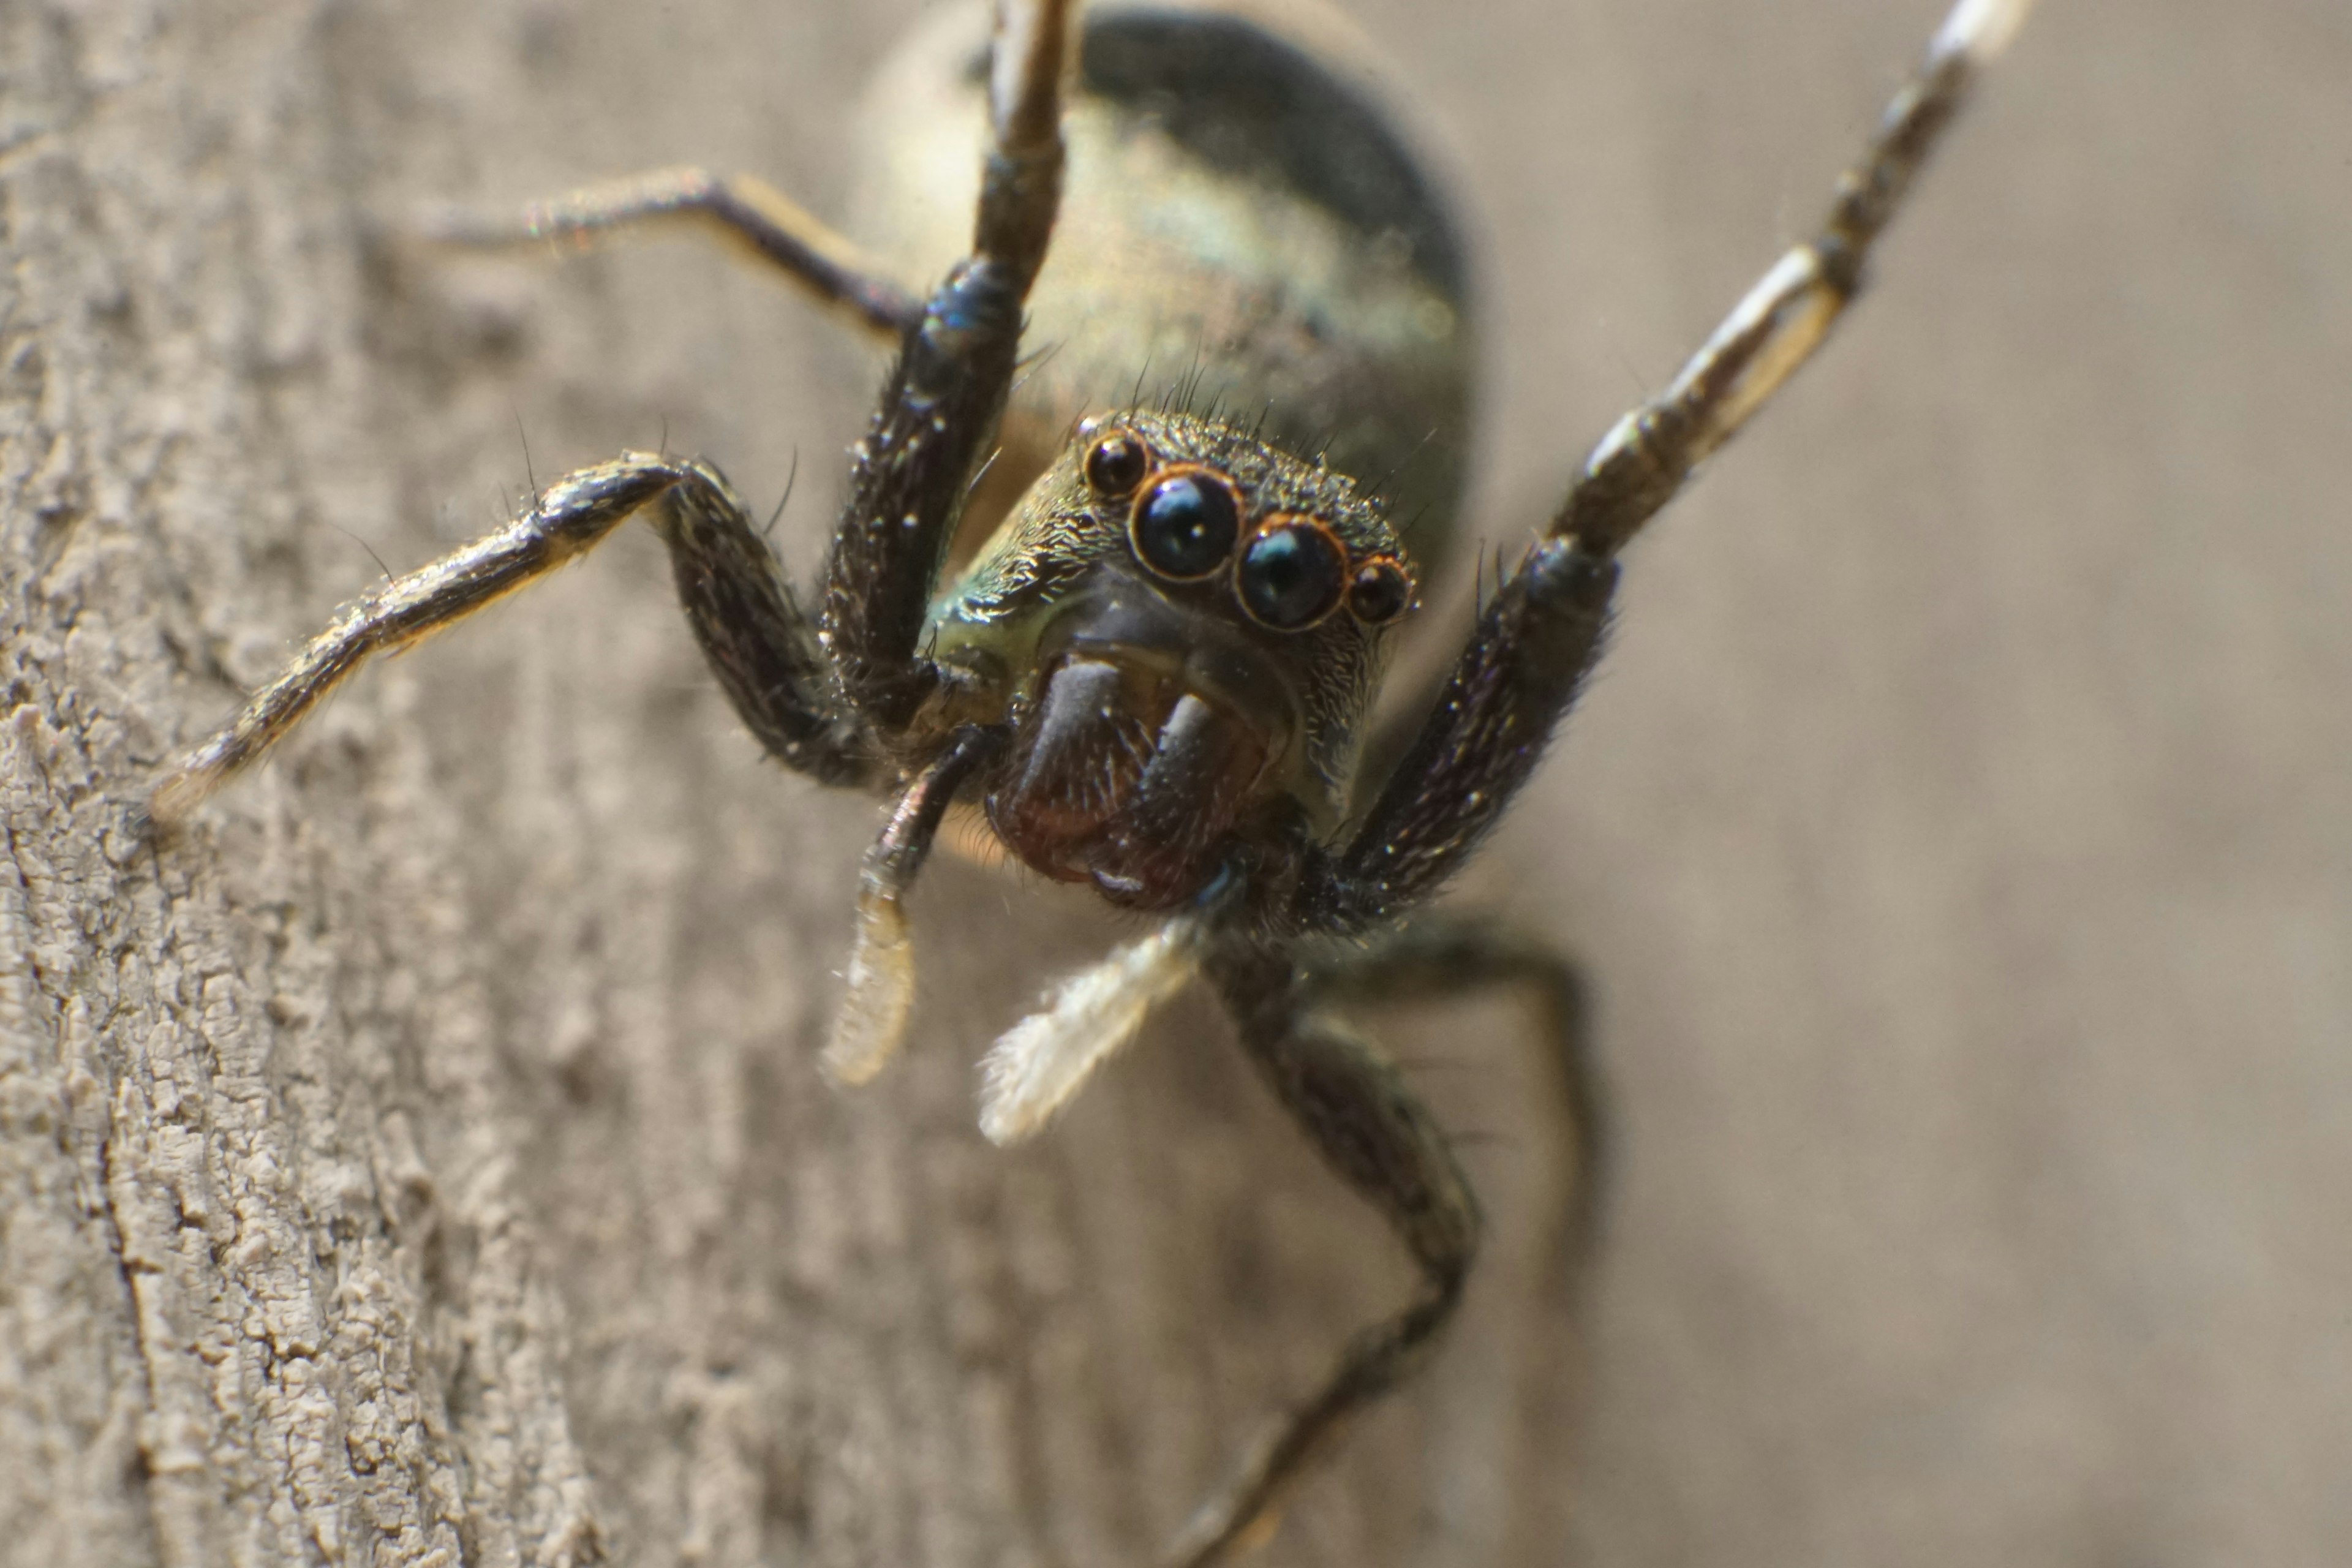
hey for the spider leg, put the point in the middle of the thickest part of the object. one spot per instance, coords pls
(1437, 957)
(757, 639)
(1539, 636)
(745, 209)
(1377, 1136)
(1524, 664)
(881, 984)
(939, 412)
(1642, 462)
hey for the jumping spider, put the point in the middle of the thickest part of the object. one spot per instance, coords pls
(1155, 675)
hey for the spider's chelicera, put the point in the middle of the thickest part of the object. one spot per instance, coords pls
(1156, 676)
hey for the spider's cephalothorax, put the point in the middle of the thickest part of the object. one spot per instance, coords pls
(1155, 677)
(1182, 629)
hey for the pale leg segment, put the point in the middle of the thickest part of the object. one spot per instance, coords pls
(573, 514)
(745, 209)
(1647, 457)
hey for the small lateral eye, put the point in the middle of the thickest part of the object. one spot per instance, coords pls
(1116, 464)
(1380, 591)
(1185, 525)
(1292, 575)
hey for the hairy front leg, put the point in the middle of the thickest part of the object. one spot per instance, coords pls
(1525, 662)
(757, 639)
(939, 414)
(1539, 637)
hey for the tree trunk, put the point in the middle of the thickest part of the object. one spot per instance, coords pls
(421, 1159)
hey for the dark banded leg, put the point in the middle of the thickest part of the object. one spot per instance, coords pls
(1438, 957)
(1540, 634)
(745, 209)
(1525, 662)
(938, 413)
(1640, 464)
(1376, 1135)
(757, 641)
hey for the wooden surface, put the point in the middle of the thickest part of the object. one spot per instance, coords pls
(427, 1156)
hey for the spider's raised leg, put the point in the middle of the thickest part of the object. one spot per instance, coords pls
(938, 413)
(1642, 462)
(1524, 664)
(1378, 1137)
(1539, 637)
(745, 209)
(909, 482)
(758, 640)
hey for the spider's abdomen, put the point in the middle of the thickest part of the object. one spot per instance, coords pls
(1243, 224)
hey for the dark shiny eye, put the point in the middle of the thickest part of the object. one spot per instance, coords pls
(1380, 591)
(1291, 575)
(1185, 526)
(1118, 463)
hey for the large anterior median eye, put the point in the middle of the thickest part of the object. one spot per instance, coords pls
(1184, 526)
(1291, 575)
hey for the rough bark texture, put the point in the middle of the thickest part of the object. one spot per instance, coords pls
(421, 1161)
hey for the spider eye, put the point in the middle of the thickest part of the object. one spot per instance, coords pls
(1185, 526)
(1291, 575)
(1116, 464)
(1380, 591)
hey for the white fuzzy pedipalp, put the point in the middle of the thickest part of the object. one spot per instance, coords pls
(1039, 1063)
(881, 994)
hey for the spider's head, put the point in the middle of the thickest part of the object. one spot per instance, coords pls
(1183, 628)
